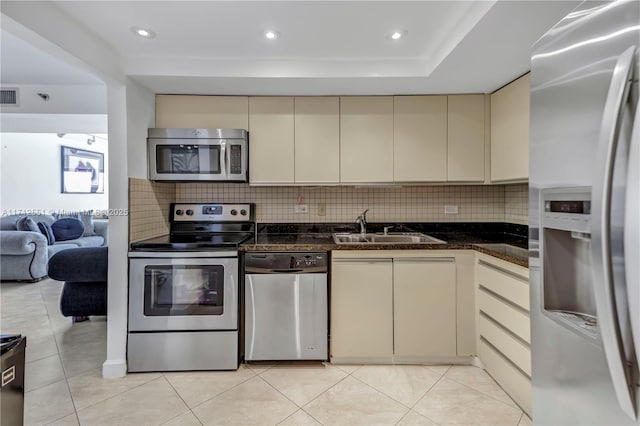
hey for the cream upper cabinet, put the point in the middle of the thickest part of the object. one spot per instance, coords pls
(366, 139)
(466, 147)
(202, 112)
(424, 300)
(271, 140)
(317, 140)
(510, 131)
(419, 138)
(361, 310)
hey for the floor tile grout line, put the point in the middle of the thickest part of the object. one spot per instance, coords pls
(381, 393)
(424, 396)
(489, 396)
(328, 389)
(118, 394)
(182, 399)
(221, 393)
(64, 372)
(297, 411)
(277, 390)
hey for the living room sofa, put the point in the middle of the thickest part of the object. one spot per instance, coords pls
(24, 255)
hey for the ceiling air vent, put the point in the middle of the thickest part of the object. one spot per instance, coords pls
(8, 96)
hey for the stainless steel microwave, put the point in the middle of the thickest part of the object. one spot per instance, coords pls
(183, 155)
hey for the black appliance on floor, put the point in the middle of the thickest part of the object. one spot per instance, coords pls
(12, 348)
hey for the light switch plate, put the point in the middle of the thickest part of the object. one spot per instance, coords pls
(301, 208)
(450, 209)
(322, 209)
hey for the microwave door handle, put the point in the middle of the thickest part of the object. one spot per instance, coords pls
(600, 232)
(632, 232)
(223, 158)
(227, 160)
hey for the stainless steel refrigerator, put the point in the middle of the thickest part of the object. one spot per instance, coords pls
(584, 217)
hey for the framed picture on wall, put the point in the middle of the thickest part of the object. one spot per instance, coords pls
(82, 171)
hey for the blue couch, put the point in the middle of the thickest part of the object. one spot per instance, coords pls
(84, 271)
(24, 255)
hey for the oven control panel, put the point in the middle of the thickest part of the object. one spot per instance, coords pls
(183, 212)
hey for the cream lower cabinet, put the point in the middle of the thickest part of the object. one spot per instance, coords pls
(362, 310)
(392, 310)
(503, 324)
(424, 302)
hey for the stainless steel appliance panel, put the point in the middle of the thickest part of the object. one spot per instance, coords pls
(184, 155)
(574, 66)
(286, 317)
(180, 320)
(179, 351)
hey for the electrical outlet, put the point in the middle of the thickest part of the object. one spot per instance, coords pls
(450, 209)
(301, 208)
(322, 209)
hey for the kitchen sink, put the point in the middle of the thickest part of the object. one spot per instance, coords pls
(391, 238)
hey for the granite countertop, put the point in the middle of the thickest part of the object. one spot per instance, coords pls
(501, 240)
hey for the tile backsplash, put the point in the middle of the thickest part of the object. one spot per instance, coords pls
(149, 208)
(343, 204)
(516, 204)
(149, 203)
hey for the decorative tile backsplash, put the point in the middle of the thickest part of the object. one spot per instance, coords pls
(149, 203)
(516, 203)
(149, 208)
(343, 204)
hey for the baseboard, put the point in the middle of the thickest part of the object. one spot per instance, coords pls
(113, 369)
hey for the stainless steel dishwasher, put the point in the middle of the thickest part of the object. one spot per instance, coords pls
(285, 306)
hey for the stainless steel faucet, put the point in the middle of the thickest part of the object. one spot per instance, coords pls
(362, 220)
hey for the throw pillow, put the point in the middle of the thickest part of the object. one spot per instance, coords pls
(87, 220)
(46, 230)
(26, 223)
(67, 229)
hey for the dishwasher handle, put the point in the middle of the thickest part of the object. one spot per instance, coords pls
(306, 270)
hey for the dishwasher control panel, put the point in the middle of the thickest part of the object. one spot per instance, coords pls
(285, 262)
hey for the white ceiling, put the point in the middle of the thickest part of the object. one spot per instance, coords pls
(325, 47)
(22, 63)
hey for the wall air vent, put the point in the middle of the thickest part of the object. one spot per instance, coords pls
(8, 96)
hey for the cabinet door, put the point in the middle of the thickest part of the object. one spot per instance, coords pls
(361, 310)
(510, 131)
(420, 138)
(366, 139)
(317, 140)
(271, 146)
(202, 112)
(465, 144)
(424, 300)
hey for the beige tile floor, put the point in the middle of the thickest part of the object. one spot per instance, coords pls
(64, 384)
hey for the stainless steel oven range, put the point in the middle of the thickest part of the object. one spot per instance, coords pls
(183, 290)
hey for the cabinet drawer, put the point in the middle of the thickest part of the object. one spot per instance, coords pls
(516, 384)
(504, 283)
(517, 351)
(507, 315)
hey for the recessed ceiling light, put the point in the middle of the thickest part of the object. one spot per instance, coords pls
(271, 34)
(143, 32)
(397, 35)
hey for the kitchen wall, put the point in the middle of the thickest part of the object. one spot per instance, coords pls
(149, 208)
(31, 175)
(343, 204)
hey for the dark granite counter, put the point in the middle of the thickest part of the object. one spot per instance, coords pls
(501, 240)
